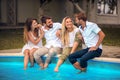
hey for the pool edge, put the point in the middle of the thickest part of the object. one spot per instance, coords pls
(97, 58)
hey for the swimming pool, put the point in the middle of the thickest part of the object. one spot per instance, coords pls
(11, 68)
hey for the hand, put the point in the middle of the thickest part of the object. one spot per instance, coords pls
(41, 33)
(58, 33)
(39, 26)
(92, 49)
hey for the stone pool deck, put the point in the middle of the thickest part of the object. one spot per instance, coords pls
(110, 54)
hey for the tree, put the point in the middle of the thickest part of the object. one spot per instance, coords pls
(42, 5)
(75, 3)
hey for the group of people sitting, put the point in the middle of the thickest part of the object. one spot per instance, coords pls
(63, 38)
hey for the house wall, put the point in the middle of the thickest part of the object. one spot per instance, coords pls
(27, 8)
(58, 9)
(103, 18)
(3, 11)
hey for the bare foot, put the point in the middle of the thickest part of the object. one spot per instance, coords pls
(41, 66)
(25, 68)
(56, 69)
(77, 66)
(32, 65)
(82, 70)
(46, 65)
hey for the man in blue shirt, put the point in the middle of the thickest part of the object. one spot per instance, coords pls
(92, 37)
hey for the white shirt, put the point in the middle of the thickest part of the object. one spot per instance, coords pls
(50, 35)
(72, 37)
(90, 34)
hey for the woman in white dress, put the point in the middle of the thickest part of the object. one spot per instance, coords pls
(33, 38)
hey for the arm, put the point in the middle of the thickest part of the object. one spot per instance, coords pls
(37, 40)
(58, 33)
(77, 42)
(101, 37)
(75, 45)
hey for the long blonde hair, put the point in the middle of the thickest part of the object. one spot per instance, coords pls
(65, 32)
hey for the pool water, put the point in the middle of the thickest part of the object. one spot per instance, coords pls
(11, 68)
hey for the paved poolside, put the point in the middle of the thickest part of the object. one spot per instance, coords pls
(17, 52)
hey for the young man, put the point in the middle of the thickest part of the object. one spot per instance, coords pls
(93, 37)
(53, 43)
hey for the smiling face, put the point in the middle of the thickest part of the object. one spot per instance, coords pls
(49, 23)
(34, 24)
(69, 24)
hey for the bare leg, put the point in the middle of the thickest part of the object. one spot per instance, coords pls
(46, 65)
(26, 58)
(31, 61)
(56, 69)
(31, 57)
(41, 65)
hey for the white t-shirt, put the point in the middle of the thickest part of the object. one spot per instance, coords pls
(72, 37)
(50, 36)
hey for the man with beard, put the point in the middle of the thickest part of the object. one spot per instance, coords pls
(53, 43)
(93, 37)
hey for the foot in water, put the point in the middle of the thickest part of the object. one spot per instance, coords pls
(25, 68)
(81, 71)
(56, 69)
(42, 68)
(46, 65)
(31, 66)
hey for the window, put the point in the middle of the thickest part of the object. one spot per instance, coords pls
(107, 7)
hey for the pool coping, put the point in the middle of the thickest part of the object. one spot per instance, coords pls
(97, 59)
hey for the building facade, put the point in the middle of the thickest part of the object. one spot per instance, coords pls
(14, 12)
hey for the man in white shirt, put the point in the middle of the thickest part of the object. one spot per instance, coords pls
(93, 37)
(53, 43)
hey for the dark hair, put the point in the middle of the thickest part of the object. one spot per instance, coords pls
(44, 18)
(28, 28)
(28, 23)
(81, 16)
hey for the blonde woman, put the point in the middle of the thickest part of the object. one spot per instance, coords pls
(33, 39)
(70, 37)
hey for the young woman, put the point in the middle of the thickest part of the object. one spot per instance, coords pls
(33, 38)
(70, 37)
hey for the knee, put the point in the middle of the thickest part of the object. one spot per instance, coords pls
(26, 54)
(70, 58)
(35, 55)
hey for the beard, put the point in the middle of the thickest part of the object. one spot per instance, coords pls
(50, 26)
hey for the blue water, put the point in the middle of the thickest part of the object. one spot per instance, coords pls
(11, 68)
